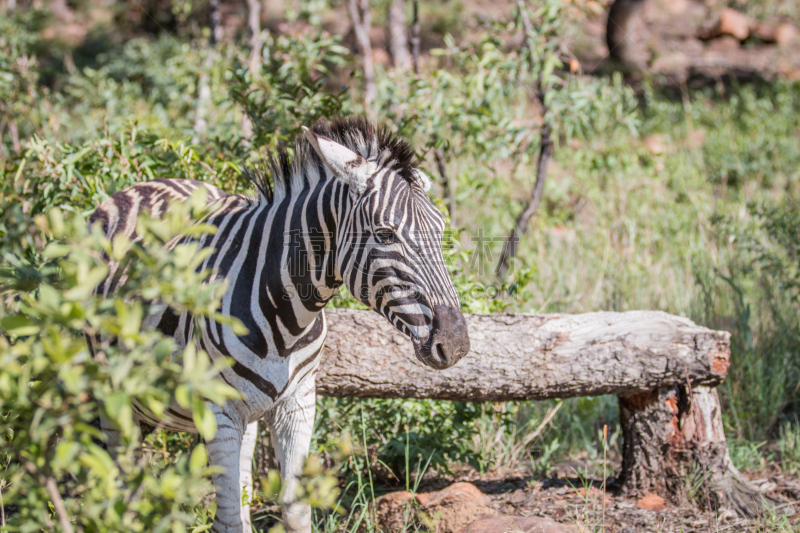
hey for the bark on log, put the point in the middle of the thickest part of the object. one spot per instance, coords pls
(524, 357)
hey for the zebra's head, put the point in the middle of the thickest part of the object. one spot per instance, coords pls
(389, 249)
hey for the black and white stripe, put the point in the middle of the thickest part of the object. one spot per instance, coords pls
(349, 208)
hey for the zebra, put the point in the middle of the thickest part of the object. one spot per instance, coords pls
(348, 208)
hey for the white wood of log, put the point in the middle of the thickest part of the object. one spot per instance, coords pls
(525, 357)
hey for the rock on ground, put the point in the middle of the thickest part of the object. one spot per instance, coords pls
(447, 510)
(517, 524)
(460, 507)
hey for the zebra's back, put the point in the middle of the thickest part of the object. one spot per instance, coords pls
(119, 212)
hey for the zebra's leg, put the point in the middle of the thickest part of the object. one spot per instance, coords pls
(246, 471)
(224, 450)
(291, 425)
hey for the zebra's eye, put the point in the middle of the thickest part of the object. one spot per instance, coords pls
(385, 236)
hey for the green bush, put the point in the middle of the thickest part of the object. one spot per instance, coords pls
(76, 178)
(401, 438)
(55, 472)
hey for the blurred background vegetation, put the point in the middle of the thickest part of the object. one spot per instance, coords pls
(657, 195)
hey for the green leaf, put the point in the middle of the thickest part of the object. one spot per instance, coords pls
(101, 465)
(199, 458)
(114, 403)
(19, 325)
(238, 328)
(204, 418)
(55, 249)
(120, 410)
(183, 396)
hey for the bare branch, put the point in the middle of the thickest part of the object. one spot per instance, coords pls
(510, 248)
(52, 490)
(362, 21)
(215, 22)
(415, 38)
(398, 35)
(58, 503)
(448, 189)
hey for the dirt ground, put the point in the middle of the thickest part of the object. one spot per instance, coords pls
(568, 501)
(449, 504)
(571, 500)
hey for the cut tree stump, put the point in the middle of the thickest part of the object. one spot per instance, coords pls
(673, 439)
(646, 358)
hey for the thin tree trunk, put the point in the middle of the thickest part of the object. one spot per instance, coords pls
(545, 152)
(521, 225)
(362, 21)
(448, 188)
(254, 25)
(415, 38)
(398, 38)
(215, 22)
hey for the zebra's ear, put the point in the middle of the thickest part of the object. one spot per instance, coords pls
(345, 163)
(424, 179)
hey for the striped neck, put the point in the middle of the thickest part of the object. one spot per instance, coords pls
(302, 225)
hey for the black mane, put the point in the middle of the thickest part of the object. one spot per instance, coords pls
(371, 142)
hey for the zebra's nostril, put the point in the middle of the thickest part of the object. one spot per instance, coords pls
(440, 353)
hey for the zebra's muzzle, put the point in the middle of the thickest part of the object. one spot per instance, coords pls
(448, 341)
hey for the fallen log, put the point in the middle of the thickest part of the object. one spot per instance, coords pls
(661, 367)
(525, 357)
